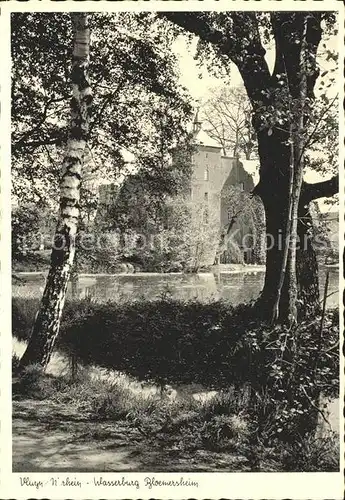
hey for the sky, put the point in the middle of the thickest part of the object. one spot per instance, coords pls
(199, 87)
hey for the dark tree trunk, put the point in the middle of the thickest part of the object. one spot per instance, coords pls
(274, 192)
(306, 265)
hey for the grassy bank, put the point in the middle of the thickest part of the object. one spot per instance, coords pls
(181, 426)
(269, 379)
(170, 341)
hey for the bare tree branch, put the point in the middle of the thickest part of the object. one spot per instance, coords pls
(226, 118)
(26, 135)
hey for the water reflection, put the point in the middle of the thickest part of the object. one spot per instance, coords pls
(233, 287)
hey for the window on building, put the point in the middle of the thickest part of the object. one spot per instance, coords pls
(206, 174)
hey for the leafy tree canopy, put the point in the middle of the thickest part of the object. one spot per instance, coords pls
(139, 105)
(243, 37)
(140, 203)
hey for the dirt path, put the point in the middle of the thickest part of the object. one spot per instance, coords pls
(49, 438)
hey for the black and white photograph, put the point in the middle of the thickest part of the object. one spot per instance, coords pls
(173, 281)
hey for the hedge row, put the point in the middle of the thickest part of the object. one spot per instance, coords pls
(171, 341)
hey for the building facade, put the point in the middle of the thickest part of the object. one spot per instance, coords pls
(219, 189)
(216, 181)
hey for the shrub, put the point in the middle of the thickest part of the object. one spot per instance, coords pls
(216, 345)
(225, 432)
(275, 373)
(309, 453)
(33, 383)
(165, 418)
(37, 261)
(23, 316)
(25, 228)
(15, 364)
(186, 425)
(312, 454)
(114, 403)
(225, 403)
(233, 254)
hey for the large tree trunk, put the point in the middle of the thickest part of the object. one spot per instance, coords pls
(306, 265)
(274, 192)
(47, 323)
(298, 141)
(286, 242)
(288, 285)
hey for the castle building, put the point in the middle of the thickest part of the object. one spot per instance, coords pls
(213, 178)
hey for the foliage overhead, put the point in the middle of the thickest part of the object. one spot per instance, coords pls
(242, 37)
(138, 102)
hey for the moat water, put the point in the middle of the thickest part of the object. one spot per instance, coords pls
(233, 286)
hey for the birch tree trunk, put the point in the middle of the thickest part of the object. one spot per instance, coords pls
(47, 322)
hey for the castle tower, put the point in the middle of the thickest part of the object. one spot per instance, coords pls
(206, 165)
(197, 122)
(213, 175)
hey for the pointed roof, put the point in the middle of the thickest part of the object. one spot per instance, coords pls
(203, 139)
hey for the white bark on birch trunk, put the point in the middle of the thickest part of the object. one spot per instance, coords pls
(47, 323)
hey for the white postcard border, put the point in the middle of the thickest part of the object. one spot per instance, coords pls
(210, 485)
